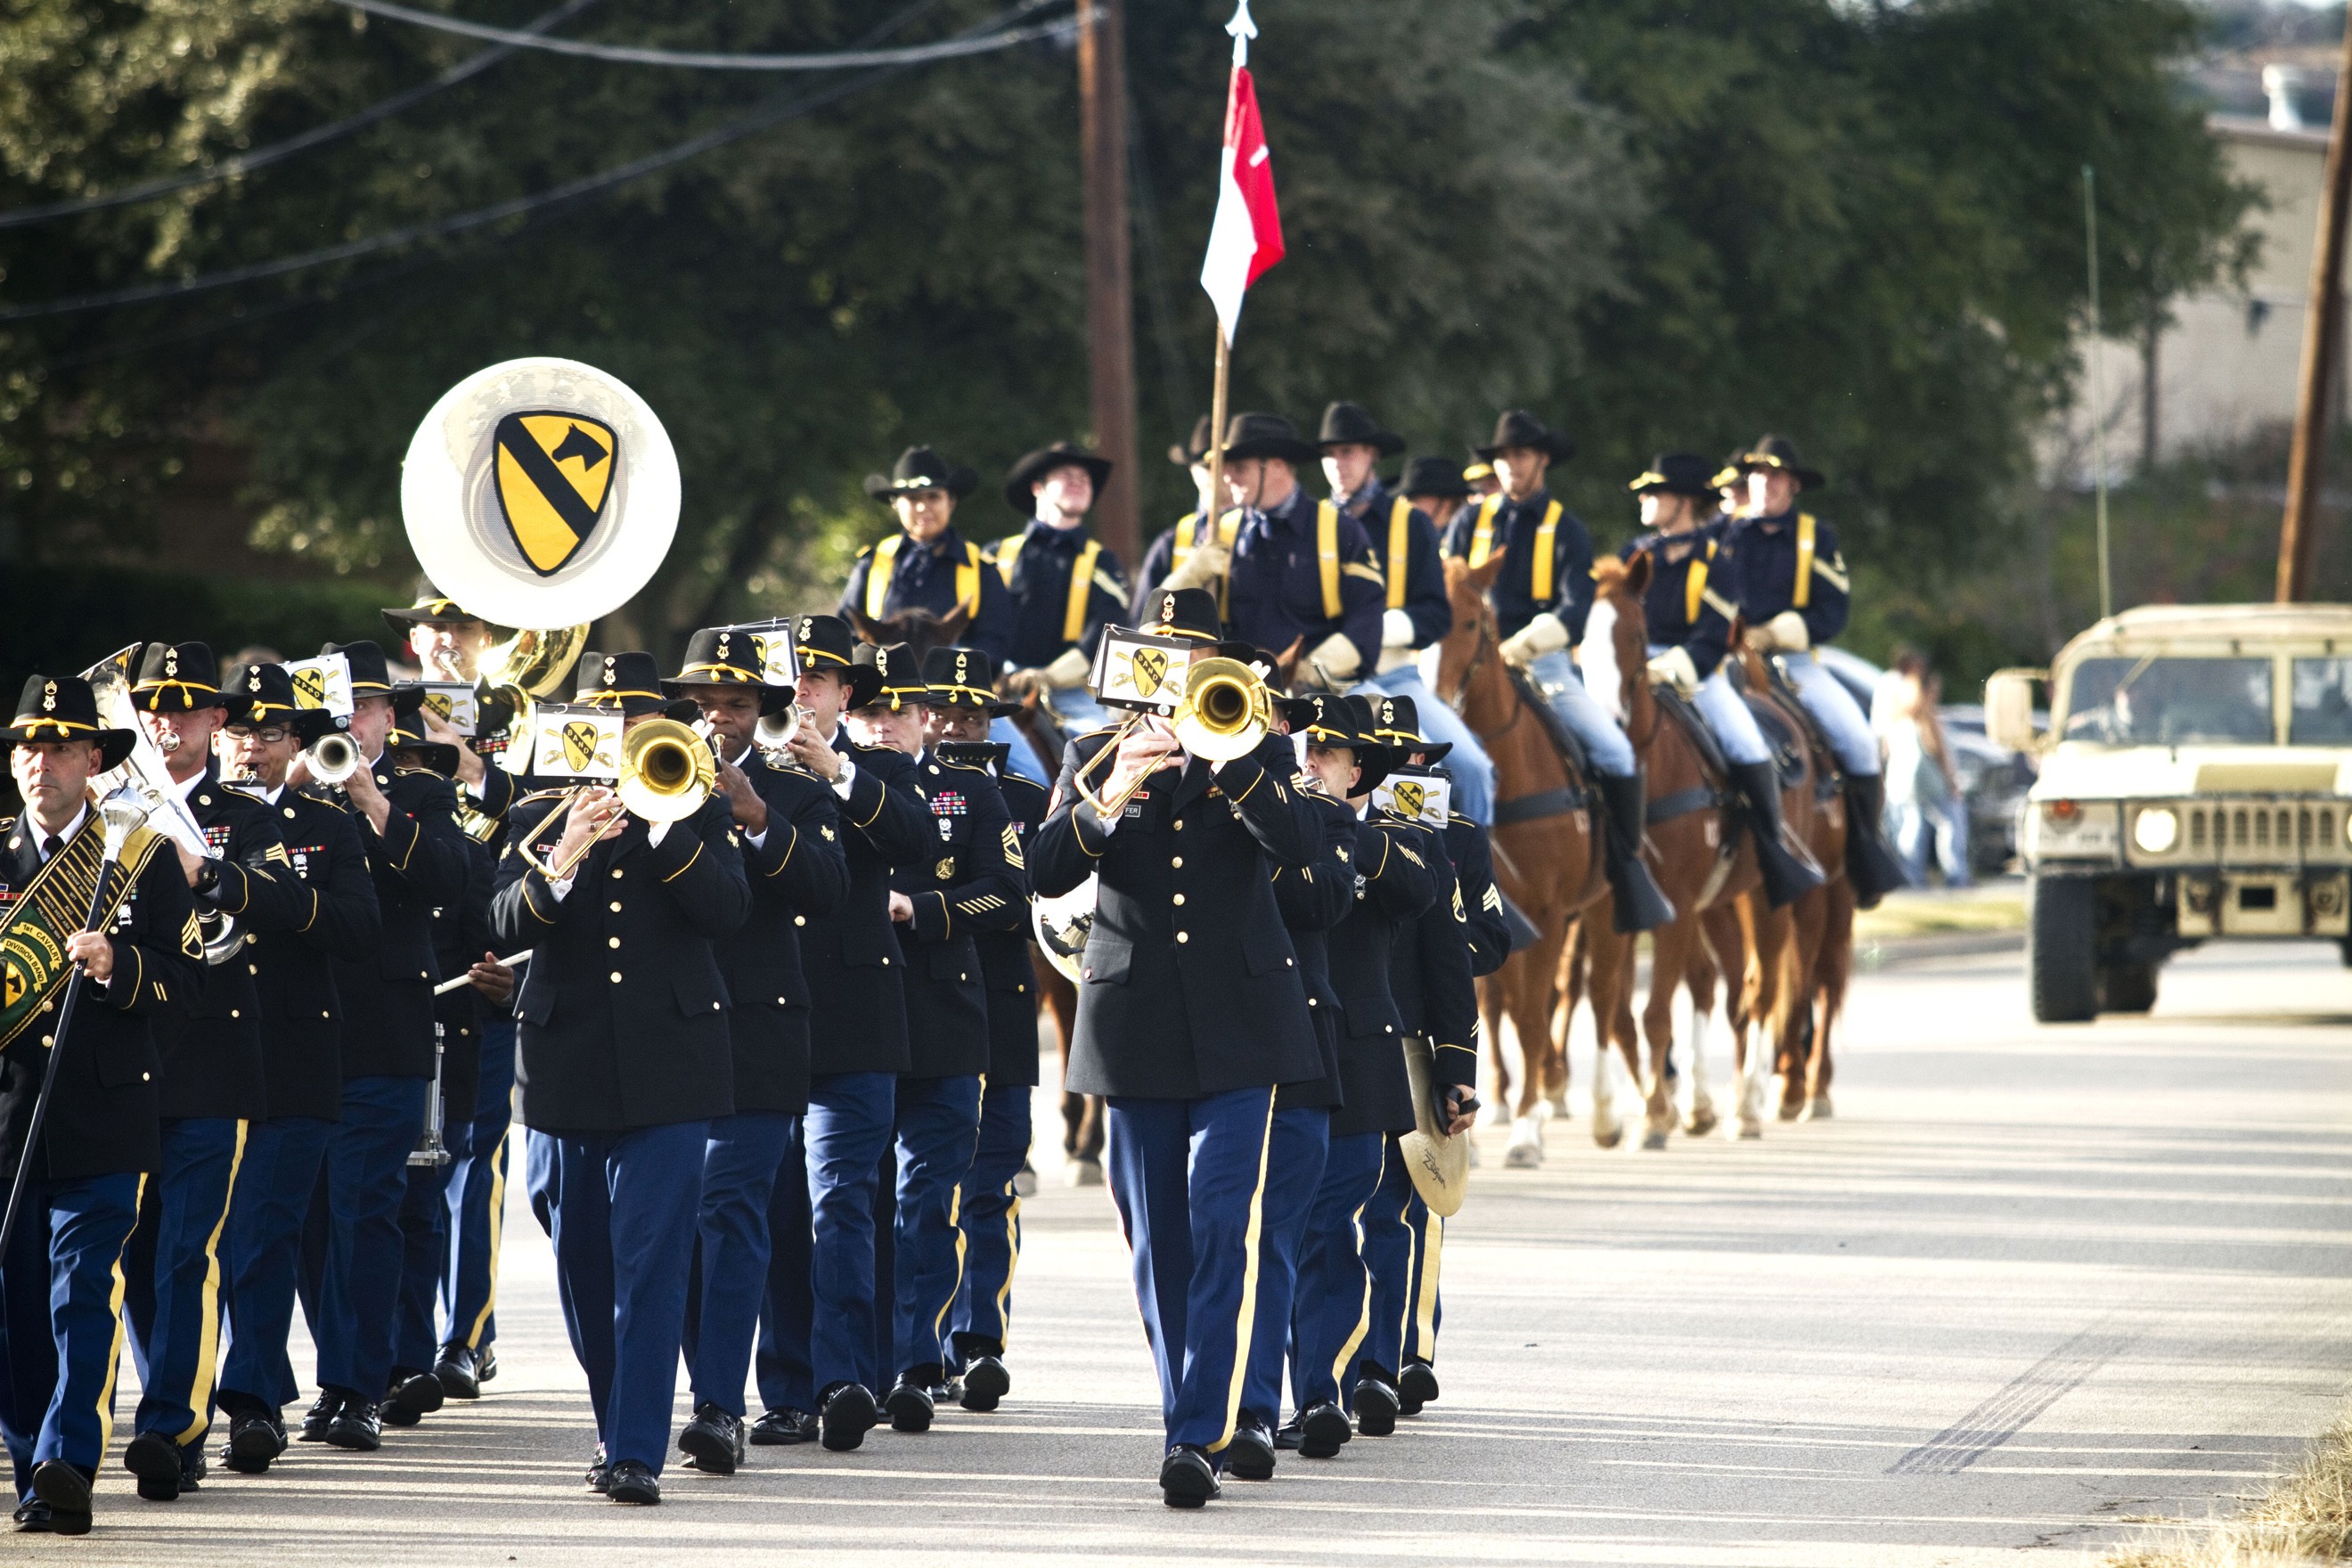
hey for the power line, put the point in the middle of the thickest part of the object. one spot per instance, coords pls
(262, 157)
(772, 112)
(620, 54)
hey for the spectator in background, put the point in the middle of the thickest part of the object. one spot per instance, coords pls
(1924, 803)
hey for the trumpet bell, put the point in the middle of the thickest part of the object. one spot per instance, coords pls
(1227, 710)
(332, 758)
(774, 732)
(666, 771)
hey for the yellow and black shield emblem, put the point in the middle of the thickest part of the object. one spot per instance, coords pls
(1411, 797)
(310, 688)
(1150, 666)
(554, 470)
(437, 704)
(580, 743)
(12, 986)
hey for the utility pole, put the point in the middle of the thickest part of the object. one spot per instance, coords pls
(2099, 387)
(2323, 345)
(1110, 274)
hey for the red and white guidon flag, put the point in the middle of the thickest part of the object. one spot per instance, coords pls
(1246, 237)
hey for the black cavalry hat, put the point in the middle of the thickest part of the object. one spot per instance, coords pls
(1728, 475)
(1183, 613)
(826, 642)
(1780, 452)
(263, 694)
(1267, 435)
(176, 678)
(1194, 448)
(964, 678)
(629, 681)
(921, 469)
(1517, 428)
(1345, 423)
(898, 676)
(1396, 722)
(63, 708)
(1433, 476)
(429, 606)
(1678, 474)
(729, 656)
(407, 735)
(1036, 465)
(372, 676)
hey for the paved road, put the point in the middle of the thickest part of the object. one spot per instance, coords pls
(2031, 1285)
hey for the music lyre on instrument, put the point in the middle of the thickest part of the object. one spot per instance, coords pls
(1225, 710)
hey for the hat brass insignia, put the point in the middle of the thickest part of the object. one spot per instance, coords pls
(554, 471)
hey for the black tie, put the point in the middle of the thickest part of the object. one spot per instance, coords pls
(50, 846)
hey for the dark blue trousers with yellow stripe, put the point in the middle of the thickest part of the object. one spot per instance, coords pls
(991, 1223)
(1333, 1311)
(274, 1182)
(172, 1274)
(1393, 1235)
(1302, 1141)
(477, 1196)
(60, 1301)
(936, 1127)
(1188, 1179)
(425, 1254)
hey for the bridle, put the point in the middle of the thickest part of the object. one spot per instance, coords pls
(1489, 645)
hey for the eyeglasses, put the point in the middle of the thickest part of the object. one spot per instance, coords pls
(268, 736)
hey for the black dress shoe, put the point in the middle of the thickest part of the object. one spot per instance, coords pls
(321, 1415)
(713, 1440)
(600, 1474)
(985, 1384)
(909, 1406)
(155, 1460)
(630, 1482)
(414, 1396)
(846, 1416)
(66, 1490)
(1250, 1456)
(358, 1425)
(1416, 1386)
(486, 1362)
(1187, 1479)
(1288, 1436)
(775, 1429)
(254, 1440)
(1376, 1408)
(1322, 1428)
(33, 1517)
(192, 1466)
(459, 1370)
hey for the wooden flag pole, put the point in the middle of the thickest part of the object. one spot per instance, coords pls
(1213, 507)
(2323, 331)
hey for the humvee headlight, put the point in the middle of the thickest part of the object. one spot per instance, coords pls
(2155, 829)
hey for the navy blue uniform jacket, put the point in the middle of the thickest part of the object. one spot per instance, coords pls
(798, 875)
(857, 1008)
(420, 863)
(1394, 882)
(336, 924)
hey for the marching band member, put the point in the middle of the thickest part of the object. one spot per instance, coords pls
(1785, 573)
(623, 1061)
(1175, 544)
(1689, 623)
(212, 1087)
(857, 1046)
(143, 958)
(1191, 1011)
(928, 565)
(956, 725)
(1541, 599)
(407, 825)
(301, 1035)
(1064, 587)
(1412, 572)
(756, 1162)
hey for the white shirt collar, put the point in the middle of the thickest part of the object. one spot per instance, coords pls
(41, 834)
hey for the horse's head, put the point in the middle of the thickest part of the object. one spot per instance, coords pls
(1471, 640)
(918, 629)
(1616, 650)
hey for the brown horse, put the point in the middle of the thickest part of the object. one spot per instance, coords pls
(1082, 1114)
(1546, 859)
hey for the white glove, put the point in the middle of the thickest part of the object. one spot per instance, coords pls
(1674, 667)
(1396, 629)
(1070, 669)
(1545, 634)
(1336, 660)
(1207, 565)
(1784, 633)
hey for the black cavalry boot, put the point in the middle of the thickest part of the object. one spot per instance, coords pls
(1639, 905)
(1870, 864)
(1788, 872)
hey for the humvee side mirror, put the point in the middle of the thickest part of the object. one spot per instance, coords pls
(2008, 708)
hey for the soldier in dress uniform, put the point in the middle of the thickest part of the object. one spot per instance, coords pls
(337, 923)
(1784, 571)
(1064, 587)
(1435, 485)
(142, 958)
(756, 1164)
(928, 565)
(857, 1046)
(1413, 569)
(1175, 544)
(212, 1085)
(956, 726)
(623, 1061)
(1541, 599)
(406, 820)
(1689, 623)
(1190, 1010)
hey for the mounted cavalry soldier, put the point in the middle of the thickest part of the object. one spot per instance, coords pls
(142, 959)
(1783, 570)
(1689, 624)
(1175, 544)
(1065, 586)
(1541, 599)
(928, 565)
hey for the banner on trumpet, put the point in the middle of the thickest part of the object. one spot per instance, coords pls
(323, 682)
(1140, 671)
(575, 741)
(456, 704)
(1423, 795)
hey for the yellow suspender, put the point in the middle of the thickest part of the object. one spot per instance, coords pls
(1540, 577)
(877, 574)
(968, 578)
(1183, 551)
(1482, 541)
(1008, 551)
(1082, 582)
(1695, 586)
(1802, 593)
(1400, 550)
(1327, 556)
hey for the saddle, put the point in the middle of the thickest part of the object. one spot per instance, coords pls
(1550, 801)
(1703, 795)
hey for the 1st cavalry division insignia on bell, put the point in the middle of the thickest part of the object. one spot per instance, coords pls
(580, 741)
(1149, 668)
(554, 471)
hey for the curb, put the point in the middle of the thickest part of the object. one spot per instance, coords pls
(1895, 952)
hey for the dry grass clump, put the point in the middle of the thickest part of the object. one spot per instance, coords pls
(2305, 1518)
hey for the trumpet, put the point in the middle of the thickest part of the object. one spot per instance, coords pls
(1227, 710)
(668, 771)
(774, 732)
(332, 758)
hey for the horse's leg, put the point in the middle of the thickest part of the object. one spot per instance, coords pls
(1836, 968)
(1575, 982)
(1608, 974)
(1794, 1019)
(1492, 998)
(1706, 978)
(1527, 978)
(1673, 947)
(1082, 1115)
(1771, 940)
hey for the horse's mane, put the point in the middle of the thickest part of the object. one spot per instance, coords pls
(1608, 573)
(919, 629)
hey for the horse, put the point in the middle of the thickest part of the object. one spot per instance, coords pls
(1546, 859)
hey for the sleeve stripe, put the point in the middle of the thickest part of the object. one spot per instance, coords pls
(682, 870)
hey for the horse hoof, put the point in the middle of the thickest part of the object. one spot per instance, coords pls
(1475, 1160)
(1084, 1173)
(1819, 1109)
(1701, 1121)
(1608, 1137)
(1654, 1140)
(1790, 1109)
(1554, 1102)
(1525, 1152)
(1749, 1127)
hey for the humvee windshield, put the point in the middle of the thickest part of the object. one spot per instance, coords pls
(2323, 703)
(2154, 701)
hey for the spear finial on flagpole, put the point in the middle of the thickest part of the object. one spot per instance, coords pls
(1242, 29)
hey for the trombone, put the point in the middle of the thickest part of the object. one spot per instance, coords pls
(668, 771)
(1227, 710)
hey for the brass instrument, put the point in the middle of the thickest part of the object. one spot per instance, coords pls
(774, 732)
(332, 758)
(529, 666)
(1227, 710)
(668, 771)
